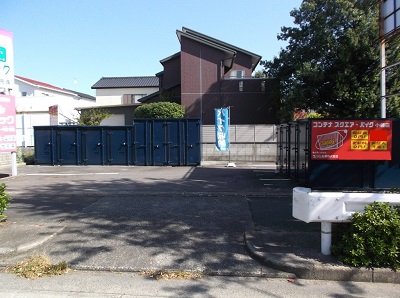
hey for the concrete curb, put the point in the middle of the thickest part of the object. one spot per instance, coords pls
(312, 269)
(27, 238)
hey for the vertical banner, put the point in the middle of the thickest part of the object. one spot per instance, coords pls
(6, 61)
(222, 129)
(8, 138)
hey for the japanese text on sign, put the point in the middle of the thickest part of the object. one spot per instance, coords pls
(222, 129)
(8, 139)
(351, 140)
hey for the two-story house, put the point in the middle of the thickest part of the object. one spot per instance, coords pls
(38, 103)
(208, 73)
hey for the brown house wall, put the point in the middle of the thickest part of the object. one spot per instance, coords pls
(203, 90)
(253, 105)
(242, 62)
(172, 72)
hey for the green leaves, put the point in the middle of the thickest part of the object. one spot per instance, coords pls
(93, 117)
(372, 239)
(5, 200)
(160, 110)
(331, 62)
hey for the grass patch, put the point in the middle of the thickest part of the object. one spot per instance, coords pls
(38, 266)
(166, 274)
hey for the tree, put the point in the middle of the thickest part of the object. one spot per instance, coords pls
(93, 117)
(331, 62)
(259, 74)
(160, 110)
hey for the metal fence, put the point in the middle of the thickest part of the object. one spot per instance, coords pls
(255, 142)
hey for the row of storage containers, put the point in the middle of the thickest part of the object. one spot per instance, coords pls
(335, 168)
(174, 142)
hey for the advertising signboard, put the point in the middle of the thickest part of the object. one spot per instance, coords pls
(8, 138)
(351, 139)
(6, 61)
(222, 129)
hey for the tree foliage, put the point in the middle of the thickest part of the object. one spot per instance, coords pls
(331, 63)
(93, 117)
(160, 110)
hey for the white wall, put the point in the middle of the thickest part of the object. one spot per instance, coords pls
(114, 96)
(33, 109)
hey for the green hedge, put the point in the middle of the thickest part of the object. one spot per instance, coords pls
(160, 110)
(371, 239)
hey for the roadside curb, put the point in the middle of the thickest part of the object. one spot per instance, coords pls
(312, 269)
(28, 237)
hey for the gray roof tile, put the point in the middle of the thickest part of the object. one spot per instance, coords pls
(126, 82)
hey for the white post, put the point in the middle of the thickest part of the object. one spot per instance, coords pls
(326, 237)
(14, 171)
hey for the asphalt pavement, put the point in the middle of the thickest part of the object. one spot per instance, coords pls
(212, 219)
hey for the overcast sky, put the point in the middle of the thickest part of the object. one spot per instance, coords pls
(72, 44)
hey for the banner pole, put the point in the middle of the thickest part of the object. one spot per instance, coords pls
(230, 164)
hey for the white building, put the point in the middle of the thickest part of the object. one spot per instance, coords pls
(38, 103)
(124, 90)
(120, 96)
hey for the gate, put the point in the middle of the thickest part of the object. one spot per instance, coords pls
(158, 142)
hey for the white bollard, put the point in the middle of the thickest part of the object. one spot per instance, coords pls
(326, 237)
(14, 171)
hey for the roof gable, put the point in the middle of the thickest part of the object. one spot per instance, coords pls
(39, 84)
(217, 44)
(126, 82)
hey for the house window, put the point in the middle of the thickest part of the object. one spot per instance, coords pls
(241, 86)
(136, 97)
(131, 98)
(237, 74)
(24, 93)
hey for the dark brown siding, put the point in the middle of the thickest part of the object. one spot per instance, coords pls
(172, 72)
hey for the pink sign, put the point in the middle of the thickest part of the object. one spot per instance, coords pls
(8, 136)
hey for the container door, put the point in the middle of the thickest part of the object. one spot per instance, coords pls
(193, 152)
(173, 143)
(140, 146)
(93, 146)
(117, 146)
(158, 143)
(67, 146)
(44, 147)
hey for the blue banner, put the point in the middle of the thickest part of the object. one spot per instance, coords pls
(222, 129)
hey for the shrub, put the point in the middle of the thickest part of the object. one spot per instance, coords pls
(5, 200)
(26, 156)
(93, 117)
(371, 239)
(160, 110)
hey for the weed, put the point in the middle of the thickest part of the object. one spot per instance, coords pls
(38, 266)
(166, 274)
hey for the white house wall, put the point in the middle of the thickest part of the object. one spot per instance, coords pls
(33, 109)
(114, 96)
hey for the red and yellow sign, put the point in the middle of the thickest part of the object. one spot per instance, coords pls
(351, 139)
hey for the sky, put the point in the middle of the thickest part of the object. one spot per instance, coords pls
(72, 44)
